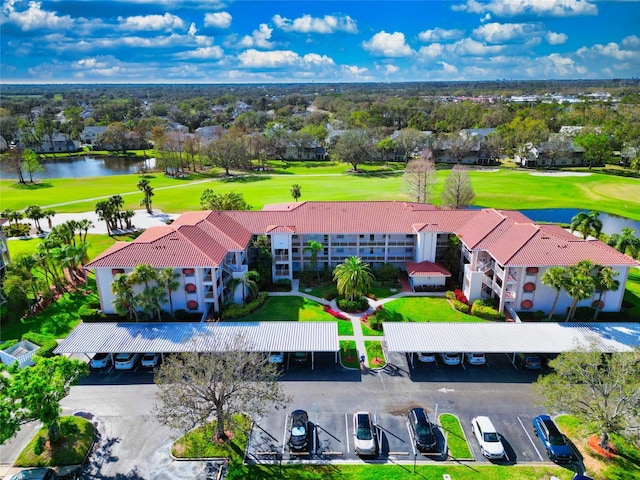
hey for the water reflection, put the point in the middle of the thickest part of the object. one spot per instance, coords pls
(76, 167)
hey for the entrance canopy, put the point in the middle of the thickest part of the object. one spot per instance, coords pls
(201, 337)
(510, 337)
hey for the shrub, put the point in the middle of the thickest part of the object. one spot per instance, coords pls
(330, 296)
(88, 314)
(8, 344)
(335, 313)
(19, 230)
(461, 306)
(449, 295)
(93, 303)
(40, 444)
(282, 285)
(375, 322)
(47, 344)
(387, 274)
(460, 296)
(237, 310)
(351, 306)
(480, 309)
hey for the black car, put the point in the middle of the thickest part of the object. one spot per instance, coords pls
(553, 440)
(421, 429)
(299, 436)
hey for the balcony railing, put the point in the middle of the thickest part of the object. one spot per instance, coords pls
(281, 258)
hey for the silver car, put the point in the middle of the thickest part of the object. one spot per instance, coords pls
(363, 434)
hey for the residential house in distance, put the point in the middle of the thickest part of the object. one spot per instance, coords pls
(57, 143)
(503, 254)
(92, 135)
(472, 146)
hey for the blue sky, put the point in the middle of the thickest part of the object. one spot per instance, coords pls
(191, 41)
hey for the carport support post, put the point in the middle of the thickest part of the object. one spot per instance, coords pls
(313, 361)
(415, 458)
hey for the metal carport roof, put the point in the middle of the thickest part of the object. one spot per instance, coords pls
(201, 337)
(510, 337)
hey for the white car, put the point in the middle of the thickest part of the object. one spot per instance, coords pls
(276, 357)
(150, 360)
(427, 357)
(126, 361)
(450, 358)
(100, 360)
(488, 438)
(475, 358)
(363, 434)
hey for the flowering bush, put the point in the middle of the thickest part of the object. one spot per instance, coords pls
(334, 313)
(460, 296)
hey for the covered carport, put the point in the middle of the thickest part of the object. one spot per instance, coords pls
(202, 337)
(509, 337)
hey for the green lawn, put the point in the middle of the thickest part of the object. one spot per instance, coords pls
(370, 332)
(631, 301)
(456, 441)
(295, 309)
(423, 309)
(349, 354)
(57, 320)
(374, 352)
(198, 442)
(97, 243)
(71, 450)
(625, 465)
(505, 188)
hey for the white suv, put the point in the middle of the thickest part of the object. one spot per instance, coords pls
(450, 358)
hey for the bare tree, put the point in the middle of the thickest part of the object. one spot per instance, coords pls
(195, 388)
(420, 177)
(457, 192)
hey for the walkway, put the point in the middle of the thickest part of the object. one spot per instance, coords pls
(355, 318)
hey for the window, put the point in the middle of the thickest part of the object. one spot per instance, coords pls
(339, 236)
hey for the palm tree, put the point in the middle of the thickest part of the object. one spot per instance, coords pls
(604, 282)
(354, 278)
(554, 277)
(167, 278)
(84, 226)
(587, 223)
(314, 247)
(250, 283)
(143, 273)
(151, 300)
(35, 213)
(295, 191)
(49, 214)
(625, 241)
(144, 187)
(579, 284)
(124, 301)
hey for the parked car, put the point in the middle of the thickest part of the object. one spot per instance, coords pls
(276, 357)
(450, 358)
(126, 361)
(101, 360)
(421, 429)
(301, 357)
(475, 358)
(529, 361)
(553, 440)
(150, 360)
(427, 357)
(299, 434)
(363, 434)
(488, 438)
(35, 474)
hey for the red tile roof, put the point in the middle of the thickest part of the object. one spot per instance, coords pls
(203, 238)
(431, 269)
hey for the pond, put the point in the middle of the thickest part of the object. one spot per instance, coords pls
(610, 223)
(87, 166)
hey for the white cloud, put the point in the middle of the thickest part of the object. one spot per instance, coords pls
(316, 59)
(632, 42)
(609, 51)
(387, 69)
(272, 59)
(217, 20)
(202, 53)
(438, 34)
(431, 51)
(258, 38)
(468, 46)
(166, 22)
(511, 8)
(385, 44)
(34, 18)
(324, 25)
(555, 66)
(505, 32)
(448, 68)
(554, 38)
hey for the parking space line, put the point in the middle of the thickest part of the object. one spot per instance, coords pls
(284, 435)
(530, 439)
(346, 429)
(413, 443)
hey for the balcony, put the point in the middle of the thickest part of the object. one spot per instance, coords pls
(281, 258)
(235, 269)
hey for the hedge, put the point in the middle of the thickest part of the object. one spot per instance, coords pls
(47, 344)
(461, 307)
(8, 344)
(88, 314)
(357, 305)
(480, 309)
(238, 310)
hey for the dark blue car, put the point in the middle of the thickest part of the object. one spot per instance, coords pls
(553, 440)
